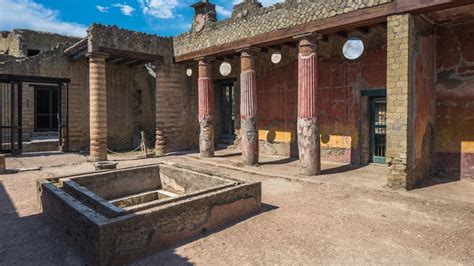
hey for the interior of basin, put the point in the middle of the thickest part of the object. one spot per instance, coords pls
(126, 190)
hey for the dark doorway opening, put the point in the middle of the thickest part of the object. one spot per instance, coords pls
(226, 97)
(46, 108)
(378, 129)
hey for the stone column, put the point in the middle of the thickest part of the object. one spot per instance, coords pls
(160, 136)
(206, 109)
(309, 146)
(98, 106)
(248, 107)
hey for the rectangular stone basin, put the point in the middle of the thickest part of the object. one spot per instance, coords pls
(120, 215)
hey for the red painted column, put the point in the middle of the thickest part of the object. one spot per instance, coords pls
(206, 109)
(248, 107)
(309, 146)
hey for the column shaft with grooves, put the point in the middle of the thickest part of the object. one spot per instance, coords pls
(309, 146)
(206, 110)
(98, 108)
(248, 108)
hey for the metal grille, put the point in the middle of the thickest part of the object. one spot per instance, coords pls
(46, 108)
(379, 129)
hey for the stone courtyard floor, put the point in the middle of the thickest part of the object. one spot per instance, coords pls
(345, 216)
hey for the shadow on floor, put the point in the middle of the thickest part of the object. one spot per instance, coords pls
(279, 161)
(436, 180)
(341, 169)
(37, 154)
(169, 256)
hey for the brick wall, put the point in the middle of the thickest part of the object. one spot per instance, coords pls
(411, 112)
(399, 129)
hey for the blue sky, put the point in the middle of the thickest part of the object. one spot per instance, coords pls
(71, 17)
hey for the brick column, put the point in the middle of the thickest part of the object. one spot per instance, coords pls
(206, 109)
(309, 145)
(160, 83)
(399, 92)
(98, 107)
(248, 107)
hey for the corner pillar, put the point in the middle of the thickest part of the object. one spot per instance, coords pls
(309, 145)
(98, 106)
(248, 106)
(206, 109)
(400, 40)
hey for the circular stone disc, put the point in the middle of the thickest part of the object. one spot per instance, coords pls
(276, 57)
(353, 48)
(225, 69)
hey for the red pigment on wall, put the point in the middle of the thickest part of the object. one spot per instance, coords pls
(455, 101)
(338, 96)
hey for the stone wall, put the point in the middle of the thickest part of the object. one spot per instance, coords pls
(264, 20)
(399, 63)
(176, 107)
(131, 95)
(410, 101)
(455, 101)
(19, 41)
(126, 40)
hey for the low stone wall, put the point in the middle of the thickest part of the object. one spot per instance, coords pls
(116, 237)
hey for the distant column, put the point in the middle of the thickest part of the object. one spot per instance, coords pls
(309, 146)
(98, 106)
(160, 84)
(248, 107)
(206, 109)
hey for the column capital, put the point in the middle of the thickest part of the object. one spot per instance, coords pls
(248, 51)
(97, 55)
(205, 59)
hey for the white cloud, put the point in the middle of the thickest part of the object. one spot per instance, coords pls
(31, 15)
(102, 9)
(159, 8)
(223, 11)
(125, 9)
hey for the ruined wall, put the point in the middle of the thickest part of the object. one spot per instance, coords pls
(259, 21)
(18, 41)
(54, 64)
(455, 100)
(130, 106)
(130, 98)
(176, 107)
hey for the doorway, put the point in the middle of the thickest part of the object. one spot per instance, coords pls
(378, 129)
(46, 109)
(226, 96)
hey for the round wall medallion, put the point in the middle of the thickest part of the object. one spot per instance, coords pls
(276, 57)
(189, 72)
(353, 48)
(225, 69)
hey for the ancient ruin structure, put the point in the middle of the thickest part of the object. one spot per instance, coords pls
(380, 81)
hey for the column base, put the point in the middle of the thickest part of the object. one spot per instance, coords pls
(309, 146)
(249, 141)
(206, 138)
